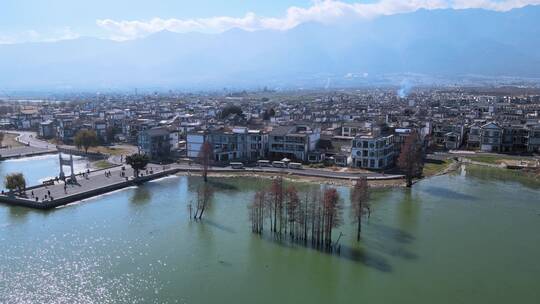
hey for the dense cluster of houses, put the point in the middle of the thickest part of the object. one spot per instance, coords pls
(364, 129)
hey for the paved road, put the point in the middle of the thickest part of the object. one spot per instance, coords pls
(36, 145)
(30, 138)
(32, 146)
(23, 151)
(304, 172)
(451, 154)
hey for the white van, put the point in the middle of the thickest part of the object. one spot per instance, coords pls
(295, 166)
(279, 164)
(237, 165)
(264, 163)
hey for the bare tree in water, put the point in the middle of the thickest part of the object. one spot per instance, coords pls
(204, 198)
(411, 158)
(276, 197)
(205, 158)
(292, 204)
(331, 215)
(257, 211)
(360, 203)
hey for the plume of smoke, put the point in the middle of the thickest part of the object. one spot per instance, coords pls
(404, 89)
(328, 83)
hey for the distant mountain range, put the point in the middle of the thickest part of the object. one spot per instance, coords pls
(436, 43)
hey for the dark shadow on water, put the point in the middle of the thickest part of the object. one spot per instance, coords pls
(218, 226)
(141, 195)
(358, 255)
(18, 214)
(398, 251)
(368, 259)
(217, 185)
(447, 193)
(391, 241)
(394, 234)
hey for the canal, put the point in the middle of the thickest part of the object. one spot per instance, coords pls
(469, 237)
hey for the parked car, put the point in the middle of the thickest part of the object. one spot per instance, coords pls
(295, 166)
(237, 165)
(279, 164)
(264, 163)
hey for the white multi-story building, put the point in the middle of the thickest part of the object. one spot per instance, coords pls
(236, 144)
(373, 151)
(294, 142)
(491, 135)
(194, 142)
(534, 139)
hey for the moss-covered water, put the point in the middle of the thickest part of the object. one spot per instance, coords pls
(463, 238)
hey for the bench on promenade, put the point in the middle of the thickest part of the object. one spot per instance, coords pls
(49, 182)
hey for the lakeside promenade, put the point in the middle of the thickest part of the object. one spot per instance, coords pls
(47, 196)
(57, 193)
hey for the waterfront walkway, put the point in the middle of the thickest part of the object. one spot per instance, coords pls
(94, 183)
(87, 185)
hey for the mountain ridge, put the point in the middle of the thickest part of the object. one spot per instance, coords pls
(438, 43)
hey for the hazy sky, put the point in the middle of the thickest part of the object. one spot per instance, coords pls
(45, 20)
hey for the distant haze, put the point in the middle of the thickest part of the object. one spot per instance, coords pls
(437, 43)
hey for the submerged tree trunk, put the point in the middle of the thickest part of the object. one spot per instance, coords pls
(409, 181)
(359, 230)
(202, 211)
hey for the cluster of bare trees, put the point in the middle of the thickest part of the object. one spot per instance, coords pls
(311, 217)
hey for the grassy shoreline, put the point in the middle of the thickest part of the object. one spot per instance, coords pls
(101, 164)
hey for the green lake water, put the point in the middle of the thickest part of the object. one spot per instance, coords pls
(471, 237)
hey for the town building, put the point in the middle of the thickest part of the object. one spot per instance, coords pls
(533, 145)
(47, 129)
(491, 135)
(155, 143)
(373, 151)
(293, 142)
